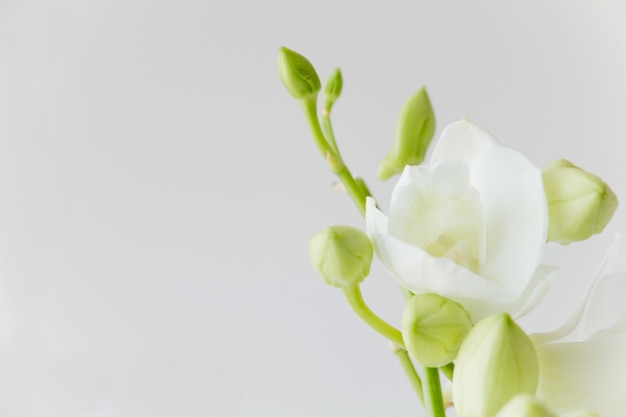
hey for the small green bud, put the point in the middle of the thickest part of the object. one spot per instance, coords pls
(342, 255)
(524, 405)
(580, 204)
(298, 74)
(433, 328)
(414, 132)
(496, 361)
(333, 88)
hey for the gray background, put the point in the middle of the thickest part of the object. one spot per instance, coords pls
(159, 188)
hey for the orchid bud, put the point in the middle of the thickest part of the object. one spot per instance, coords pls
(298, 74)
(433, 328)
(524, 405)
(496, 361)
(580, 204)
(414, 131)
(342, 255)
(333, 88)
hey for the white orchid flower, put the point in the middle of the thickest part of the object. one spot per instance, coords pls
(582, 365)
(471, 225)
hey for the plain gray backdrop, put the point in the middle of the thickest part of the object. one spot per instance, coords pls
(159, 188)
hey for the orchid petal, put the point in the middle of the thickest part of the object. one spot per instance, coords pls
(414, 269)
(462, 140)
(536, 290)
(434, 208)
(514, 201)
(578, 327)
(584, 375)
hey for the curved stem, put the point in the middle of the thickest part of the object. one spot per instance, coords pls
(409, 370)
(355, 298)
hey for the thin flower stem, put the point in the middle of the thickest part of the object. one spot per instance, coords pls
(409, 370)
(432, 393)
(327, 128)
(333, 157)
(355, 298)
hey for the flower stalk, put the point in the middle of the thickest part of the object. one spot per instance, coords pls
(355, 299)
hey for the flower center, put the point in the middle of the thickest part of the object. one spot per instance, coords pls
(462, 252)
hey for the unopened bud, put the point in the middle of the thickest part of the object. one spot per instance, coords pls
(414, 132)
(433, 328)
(496, 361)
(580, 204)
(333, 88)
(342, 255)
(524, 405)
(298, 74)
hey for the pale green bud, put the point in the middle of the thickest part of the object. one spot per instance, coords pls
(496, 361)
(580, 204)
(524, 405)
(342, 255)
(414, 132)
(333, 88)
(298, 74)
(433, 328)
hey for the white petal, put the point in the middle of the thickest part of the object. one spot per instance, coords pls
(462, 140)
(584, 375)
(511, 191)
(601, 308)
(536, 290)
(419, 272)
(433, 207)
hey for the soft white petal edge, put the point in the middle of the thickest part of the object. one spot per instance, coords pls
(462, 140)
(536, 290)
(602, 307)
(516, 211)
(568, 382)
(416, 270)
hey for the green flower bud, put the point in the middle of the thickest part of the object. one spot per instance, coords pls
(433, 328)
(333, 88)
(496, 361)
(524, 405)
(414, 131)
(342, 255)
(298, 74)
(580, 204)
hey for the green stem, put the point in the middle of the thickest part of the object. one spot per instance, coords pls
(432, 394)
(355, 298)
(409, 370)
(327, 128)
(309, 105)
